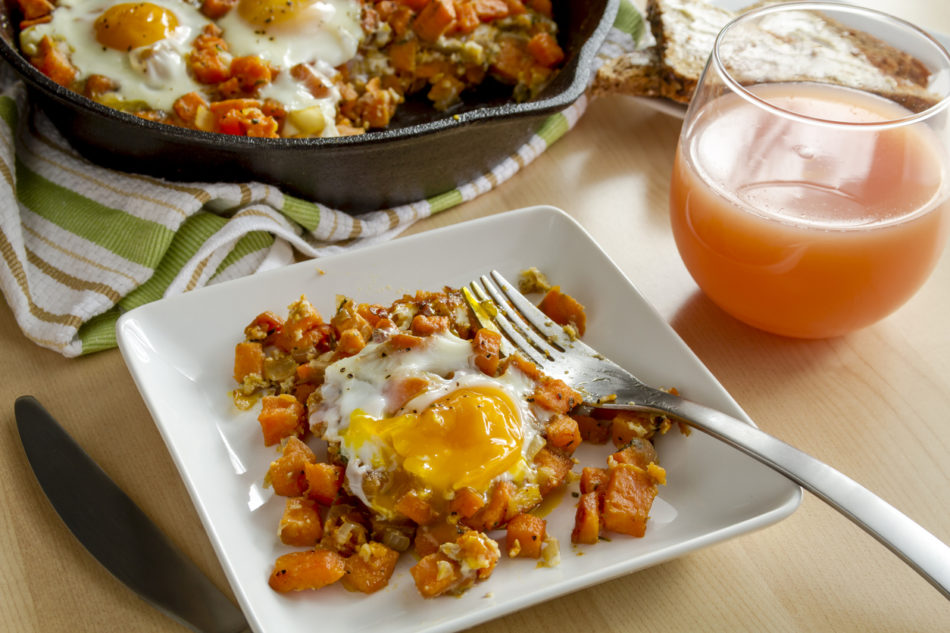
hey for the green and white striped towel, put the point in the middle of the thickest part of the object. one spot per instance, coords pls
(80, 244)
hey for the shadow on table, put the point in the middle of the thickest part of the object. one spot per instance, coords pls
(720, 340)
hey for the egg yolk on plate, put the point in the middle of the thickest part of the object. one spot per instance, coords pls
(466, 438)
(132, 25)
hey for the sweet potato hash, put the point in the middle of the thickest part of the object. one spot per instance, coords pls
(287, 68)
(404, 428)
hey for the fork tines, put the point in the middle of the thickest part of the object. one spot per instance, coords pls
(525, 326)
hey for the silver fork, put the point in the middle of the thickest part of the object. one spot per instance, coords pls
(603, 383)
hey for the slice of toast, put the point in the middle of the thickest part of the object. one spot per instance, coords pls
(685, 31)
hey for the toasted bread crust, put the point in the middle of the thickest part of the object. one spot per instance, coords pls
(685, 31)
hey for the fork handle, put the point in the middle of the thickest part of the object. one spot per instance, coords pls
(920, 549)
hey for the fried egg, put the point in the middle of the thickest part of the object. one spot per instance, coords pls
(426, 420)
(141, 45)
(322, 34)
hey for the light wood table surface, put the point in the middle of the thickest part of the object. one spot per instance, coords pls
(875, 404)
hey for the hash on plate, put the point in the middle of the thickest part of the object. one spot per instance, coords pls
(287, 68)
(435, 443)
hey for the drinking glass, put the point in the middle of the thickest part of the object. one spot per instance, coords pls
(810, 194)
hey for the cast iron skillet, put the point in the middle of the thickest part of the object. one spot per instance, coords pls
(422, 153)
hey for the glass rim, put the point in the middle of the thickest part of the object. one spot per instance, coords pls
(832, 6)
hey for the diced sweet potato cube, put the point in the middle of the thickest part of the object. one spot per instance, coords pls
(515, 7)
(186, 106)
(586, 520)
(553, 467)
(627, 500)
(592, 429)
(490, 10)
(370, 568)
(310, 372)
(638, 452)
(524, 365)
(301, 329)
(466, 503)
(525, 536)
(415, 5)
(248, 360)
(416, 508)
(306, 570)
(375, 107)
(372, 313)
(402, 55)
(281, 416)
(593, 479)
(434, 19)
(33, 9)
(435, 574)
(215, 9)
(404, 342)
(555, 395)
(251, 73)
(98, 85)
(466, 17)
(399, 21)
(293, 446)
(301, 524)
(563, 433)
(511, 61)
(541, 6)
(426, 325)
(546, 51)
(442, 572)
(263, 325)
(348, 317)
(429, 537)
(53, 62)
(399, 391)
(350, 343)
(385, 324)
(323, 481)
(562, 308)
(487, 347)
(302, 392)
(495, 512)
(209, 62)
(287, 474)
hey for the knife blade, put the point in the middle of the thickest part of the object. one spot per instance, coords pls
(116, 531)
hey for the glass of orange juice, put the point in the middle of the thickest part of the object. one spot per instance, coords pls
(811, 189)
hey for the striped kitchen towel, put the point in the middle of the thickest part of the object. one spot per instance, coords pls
(80, 244)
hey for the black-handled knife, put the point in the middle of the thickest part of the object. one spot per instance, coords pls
(115, 531)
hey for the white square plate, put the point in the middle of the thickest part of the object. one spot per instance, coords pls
(180, 353)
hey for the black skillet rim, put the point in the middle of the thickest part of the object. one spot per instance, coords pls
(580, 67)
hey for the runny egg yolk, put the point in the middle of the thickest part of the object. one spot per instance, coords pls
(132, 25)
(466, 438)
(264, 13)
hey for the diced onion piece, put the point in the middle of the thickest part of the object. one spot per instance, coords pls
(204, 119)
(306, 122)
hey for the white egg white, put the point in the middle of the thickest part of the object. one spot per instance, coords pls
(445, 361)
(358, 382)
(327, 30)
(323, 34)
